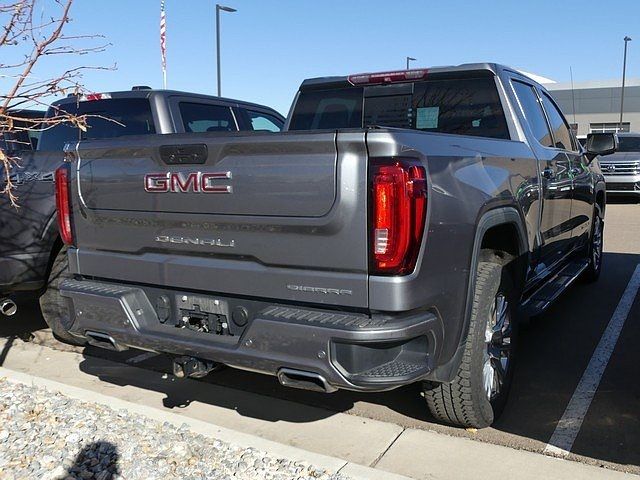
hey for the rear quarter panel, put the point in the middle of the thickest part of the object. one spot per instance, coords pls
(468, 177)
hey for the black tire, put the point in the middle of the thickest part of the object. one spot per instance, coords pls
(595, 248)
(54, 307)
(469, 401)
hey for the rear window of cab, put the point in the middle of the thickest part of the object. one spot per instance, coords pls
(108, 118)
(458, 106)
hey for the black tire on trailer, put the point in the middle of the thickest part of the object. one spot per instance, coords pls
(479, 392)
(54, 307)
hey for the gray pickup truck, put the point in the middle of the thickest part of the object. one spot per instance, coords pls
(29, 239)
(394, 233)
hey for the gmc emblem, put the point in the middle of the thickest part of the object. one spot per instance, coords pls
(196, 182)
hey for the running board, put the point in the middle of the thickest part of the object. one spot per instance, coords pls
(542, 298)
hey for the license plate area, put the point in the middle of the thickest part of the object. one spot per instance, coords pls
(203, 314)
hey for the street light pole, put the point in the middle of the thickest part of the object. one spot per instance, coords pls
(410, 59)
(224, 9)
(624, 72)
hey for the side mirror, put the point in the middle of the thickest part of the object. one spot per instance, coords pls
(601, 144)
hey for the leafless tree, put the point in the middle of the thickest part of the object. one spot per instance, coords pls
(33, 38)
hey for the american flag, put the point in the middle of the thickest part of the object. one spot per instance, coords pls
(163, 42)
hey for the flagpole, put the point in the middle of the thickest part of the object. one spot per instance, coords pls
(163, 43)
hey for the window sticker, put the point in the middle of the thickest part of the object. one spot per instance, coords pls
(427, 117)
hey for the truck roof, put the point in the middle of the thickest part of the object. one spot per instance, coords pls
(149, 93)
(441, 71)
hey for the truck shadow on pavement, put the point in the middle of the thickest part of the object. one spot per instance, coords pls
(181, 393)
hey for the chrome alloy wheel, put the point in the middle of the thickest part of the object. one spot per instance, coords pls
(497, 353)
(596, 248)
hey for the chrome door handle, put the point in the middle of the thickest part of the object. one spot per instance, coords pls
(548, 173)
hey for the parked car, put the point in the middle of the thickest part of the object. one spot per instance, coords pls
(29, 238)
(622, 169)
(395, 233)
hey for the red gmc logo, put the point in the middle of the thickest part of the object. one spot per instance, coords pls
(177, 182)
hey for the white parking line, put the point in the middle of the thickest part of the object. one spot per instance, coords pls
(142, 357)
(569, 425)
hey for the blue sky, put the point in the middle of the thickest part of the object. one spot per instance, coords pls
(270, 46)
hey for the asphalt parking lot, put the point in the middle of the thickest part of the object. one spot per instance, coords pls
(554, 352)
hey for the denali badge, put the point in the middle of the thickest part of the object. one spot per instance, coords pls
(177, 182)
(214, 242)
(326, 291)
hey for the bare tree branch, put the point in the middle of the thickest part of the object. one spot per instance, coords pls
(26, 39)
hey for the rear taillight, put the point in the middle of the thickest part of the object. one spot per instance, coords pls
(399, 201)
(63, 202)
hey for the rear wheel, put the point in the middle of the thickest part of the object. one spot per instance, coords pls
(592, 273)
(478, 394)
(54, 307)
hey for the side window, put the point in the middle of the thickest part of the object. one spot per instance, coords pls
(200, 117)
(558, 124)
(264, 121)
(533, 112)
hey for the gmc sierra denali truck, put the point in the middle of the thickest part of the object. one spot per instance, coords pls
(395, 233)
(29, 239)
(622, 169)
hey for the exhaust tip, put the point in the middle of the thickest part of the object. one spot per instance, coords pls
(8, 307)
(304, 380)
(102, 340)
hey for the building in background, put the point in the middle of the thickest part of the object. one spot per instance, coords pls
(597, 105)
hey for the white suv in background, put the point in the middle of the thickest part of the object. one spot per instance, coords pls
(622, 169)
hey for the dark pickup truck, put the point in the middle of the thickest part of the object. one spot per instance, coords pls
(395, 233)
(29, 239)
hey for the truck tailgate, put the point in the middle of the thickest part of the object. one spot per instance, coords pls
(264, 215)
(263, 181)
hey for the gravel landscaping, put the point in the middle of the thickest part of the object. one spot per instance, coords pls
(46, 435)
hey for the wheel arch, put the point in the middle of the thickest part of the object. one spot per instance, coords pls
(490, 233)
(51, 237)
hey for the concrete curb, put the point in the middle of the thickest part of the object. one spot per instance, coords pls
(355, 471)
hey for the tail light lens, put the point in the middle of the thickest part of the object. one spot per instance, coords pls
(63, 202)
(399, 201)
